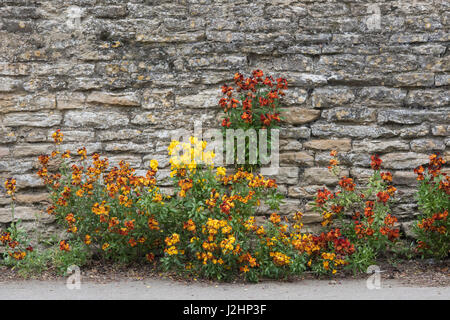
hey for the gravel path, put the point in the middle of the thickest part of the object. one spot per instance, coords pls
(174, 290)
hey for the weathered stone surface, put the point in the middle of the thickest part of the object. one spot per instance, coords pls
(414, 131)
(130, 74)
(158, 98)
(304, 192)
(4, 152)
(74, 147)
(16, 167)
(32, 150)
(306, 79)
(353, 131)
(28, 180)
(361, 175)
(98, 120)
(406, 116)
(134, 161)
(32, 197)
(300, 115)
(19, 103)
(310, 217)
(414, 79)
(404, 160)
(9, 85)
(290, 145)
(348, 159)
(128, 147)
(332, 97)
(36, 119)
(407, 229)
(428, 98)
(379, 146)
(381, 97)
(117, 99)
(22, 213)
(288, 175)
(295, 133)
(408, 178)
(204, 99)
(427, 145)
(79, 136)
(295, 96)
(442, 80)
(320, 175)
(297, 158)
(440, 130)
(124, 134)
(360, 115)
(73, 100)
(329, 144)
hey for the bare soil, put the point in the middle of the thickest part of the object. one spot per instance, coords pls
(417, 273)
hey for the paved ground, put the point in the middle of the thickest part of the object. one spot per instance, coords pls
(173, 290)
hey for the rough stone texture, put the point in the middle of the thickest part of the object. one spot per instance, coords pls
(119, 76)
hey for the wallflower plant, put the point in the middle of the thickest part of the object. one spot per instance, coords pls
(254, 103)
(433, 195)
(362, 213)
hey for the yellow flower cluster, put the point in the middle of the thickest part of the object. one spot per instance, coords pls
(329, 260)
(193, 154)
(280, 259)
(253, 181)
(227, 244)
(305, 243)
(171, 242)
(213, 225)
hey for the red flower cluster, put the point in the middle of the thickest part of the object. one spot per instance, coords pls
(347, 184)
(392, 233)
(259, 94)
(342, 245)
(323, 195)
(376, 162)
(383, 196)
(434, 170)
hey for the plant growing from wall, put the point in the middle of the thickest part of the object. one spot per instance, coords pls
(254, 103)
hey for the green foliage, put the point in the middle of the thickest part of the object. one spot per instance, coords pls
(433, 196)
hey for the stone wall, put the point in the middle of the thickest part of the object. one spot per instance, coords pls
(117, 76)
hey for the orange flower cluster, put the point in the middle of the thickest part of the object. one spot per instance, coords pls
(185, 185)
(362, 231)
(19, 252)
(334, 162)
(253, 181)
(189, 225)
(248, 261)
(57, 136)
(434, 170)
(386, 176)
(347, 184)
(387, 229)
(64, 246)
(429, 224)
(330, 249)
(219, 242)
